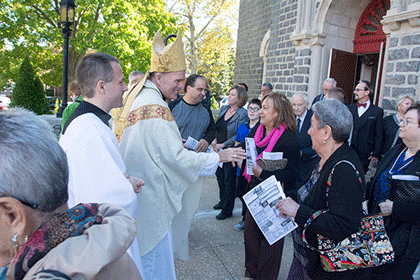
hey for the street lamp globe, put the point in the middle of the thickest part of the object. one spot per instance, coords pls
(67, 12)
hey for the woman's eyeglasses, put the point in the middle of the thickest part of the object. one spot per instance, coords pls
(407, 122)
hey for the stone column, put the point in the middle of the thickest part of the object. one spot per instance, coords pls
(299, 17)
(317, 45)
(303, 30)
(384, 66)
(308, 16)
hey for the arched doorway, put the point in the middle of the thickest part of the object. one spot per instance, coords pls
(366, 60)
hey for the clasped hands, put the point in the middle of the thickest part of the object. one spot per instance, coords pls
(386, 207)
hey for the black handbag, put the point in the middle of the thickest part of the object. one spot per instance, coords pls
(405, 190)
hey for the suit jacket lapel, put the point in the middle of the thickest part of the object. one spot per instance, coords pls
(222, 113)
(306, 122)
(356, 119)
(234, 117)
(366, 115)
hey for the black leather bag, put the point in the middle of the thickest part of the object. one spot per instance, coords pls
(404, 190)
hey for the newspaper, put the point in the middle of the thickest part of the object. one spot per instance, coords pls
(251, 155)
(405, 177)
(191, 143)
(273, 156)
(260, 202)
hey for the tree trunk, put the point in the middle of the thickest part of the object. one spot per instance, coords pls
(194, 60)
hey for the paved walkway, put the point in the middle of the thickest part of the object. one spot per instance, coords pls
(216, 249)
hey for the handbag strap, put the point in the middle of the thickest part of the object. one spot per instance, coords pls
(319, 212)
(329, 180)
(308, 222)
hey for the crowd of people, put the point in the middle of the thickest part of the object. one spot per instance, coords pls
(127, 187)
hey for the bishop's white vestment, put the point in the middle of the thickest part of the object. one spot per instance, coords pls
(96, 169)
(151, 147)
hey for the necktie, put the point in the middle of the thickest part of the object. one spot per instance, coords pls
(298, 124)
(361, 105)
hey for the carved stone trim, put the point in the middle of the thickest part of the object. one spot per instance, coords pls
(303, 38)
(318, 39)
(394, 21)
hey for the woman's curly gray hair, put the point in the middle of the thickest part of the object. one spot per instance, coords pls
(33, 166)
(336, 115)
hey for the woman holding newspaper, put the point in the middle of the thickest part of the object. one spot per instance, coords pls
(331, 125)
(276, 133)
(388, 197)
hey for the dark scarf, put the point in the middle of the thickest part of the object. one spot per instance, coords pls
(71, 223)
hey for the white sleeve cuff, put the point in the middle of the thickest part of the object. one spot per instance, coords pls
(211, 165)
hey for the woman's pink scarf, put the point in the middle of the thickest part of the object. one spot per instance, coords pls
(260, 142)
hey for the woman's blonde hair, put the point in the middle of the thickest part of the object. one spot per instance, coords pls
(404, 97)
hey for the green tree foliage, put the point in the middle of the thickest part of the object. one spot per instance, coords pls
(29, 91)
(208, 27)
(217, 59)
(121, 28)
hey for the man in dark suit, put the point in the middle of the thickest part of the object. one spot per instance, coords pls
(303, 119)
(366, 139)
(328, 84)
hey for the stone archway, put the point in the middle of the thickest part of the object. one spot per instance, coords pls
(335, 25)
(369, 34)
(264, 54)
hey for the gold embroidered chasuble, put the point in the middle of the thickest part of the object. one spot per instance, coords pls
(151, 146)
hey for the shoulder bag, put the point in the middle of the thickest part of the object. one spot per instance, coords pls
(370, 246)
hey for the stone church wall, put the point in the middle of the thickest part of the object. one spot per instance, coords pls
(402, 73)
(281, 53)
(254, 22)
(298, 53)
(255, 19)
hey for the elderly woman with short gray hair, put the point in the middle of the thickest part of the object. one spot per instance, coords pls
(39, 234)
(331, 125)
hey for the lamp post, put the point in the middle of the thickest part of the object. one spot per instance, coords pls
(67, 19)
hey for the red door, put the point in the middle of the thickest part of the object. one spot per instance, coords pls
(343, 70)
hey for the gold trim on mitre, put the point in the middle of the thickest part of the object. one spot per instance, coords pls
(170, 58)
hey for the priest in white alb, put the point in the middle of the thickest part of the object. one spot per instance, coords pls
(151, 146)
(97, 173)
